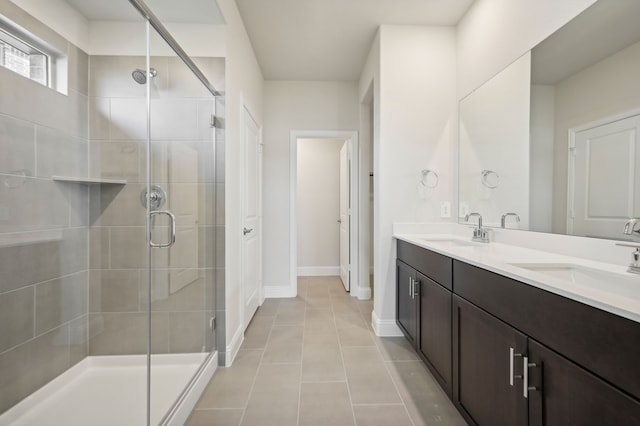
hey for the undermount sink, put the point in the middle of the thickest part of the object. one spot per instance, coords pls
(450, 242)
(623, 285)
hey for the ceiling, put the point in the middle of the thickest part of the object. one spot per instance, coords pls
(585, 40)
(184, 11)
(330, 39)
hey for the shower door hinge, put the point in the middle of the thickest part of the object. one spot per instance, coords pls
(212, 323)
(216, 122)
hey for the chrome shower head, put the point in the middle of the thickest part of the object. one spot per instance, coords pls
(140, 76)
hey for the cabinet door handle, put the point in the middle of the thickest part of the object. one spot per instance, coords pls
(512, 354)
(525, 377)
(416, 287)
(411, 287)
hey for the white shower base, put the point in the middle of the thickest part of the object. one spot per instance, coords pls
(111, 390)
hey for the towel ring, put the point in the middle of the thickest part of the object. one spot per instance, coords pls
(429, 178)
(490, 179)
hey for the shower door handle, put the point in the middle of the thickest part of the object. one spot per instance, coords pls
(172, 221)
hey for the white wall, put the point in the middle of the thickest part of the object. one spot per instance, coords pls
(244, 87)
(291, 106)
(494, 135)
(318, 206)
(414, 131)
(495, 33)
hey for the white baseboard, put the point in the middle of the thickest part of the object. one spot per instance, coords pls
(272, 291)
(318, 271)
(232, 348)
(384, 328)
(364, 293)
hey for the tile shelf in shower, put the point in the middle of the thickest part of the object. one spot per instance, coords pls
(30, 237)
(90, 181)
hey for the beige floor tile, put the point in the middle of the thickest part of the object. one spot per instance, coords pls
(395, 349)
(426, 402)
(382, 415)
(256, 335)
(355, 336)
(321, 359)
(268, 308)
(319, 326)
(324, 404)
(215, 417)
(314, 360)
(230, 387)
(284, 344)
(369, 381)
(275, 395)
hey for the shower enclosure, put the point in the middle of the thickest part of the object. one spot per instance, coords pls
(111, 221)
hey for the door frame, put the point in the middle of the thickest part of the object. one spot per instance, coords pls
(571, 171)
(352, 137)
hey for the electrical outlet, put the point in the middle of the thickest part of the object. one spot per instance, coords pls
(445, 209)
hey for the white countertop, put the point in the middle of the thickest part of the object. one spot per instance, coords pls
(499, 258)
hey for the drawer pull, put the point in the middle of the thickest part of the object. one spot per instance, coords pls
(525, 377)
(512, 377)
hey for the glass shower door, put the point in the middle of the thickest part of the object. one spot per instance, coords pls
(181, 242)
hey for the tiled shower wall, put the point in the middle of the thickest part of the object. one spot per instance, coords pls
(183, 159)
(44, 226)
(72, 277)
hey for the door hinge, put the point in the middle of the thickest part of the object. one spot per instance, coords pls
(212, 323)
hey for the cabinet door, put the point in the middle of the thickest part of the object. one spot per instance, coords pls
(435, 329)
(406, 301)
(482, 375)
(566, 394)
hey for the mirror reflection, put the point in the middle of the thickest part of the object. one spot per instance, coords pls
(572, 165)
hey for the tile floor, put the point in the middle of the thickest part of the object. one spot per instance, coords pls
(314, 360)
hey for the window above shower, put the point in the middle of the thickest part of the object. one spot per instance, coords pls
(27, 49)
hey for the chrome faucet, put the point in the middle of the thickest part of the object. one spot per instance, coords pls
(503, 220)
(629, 227)
(634, 266)
(480, 234)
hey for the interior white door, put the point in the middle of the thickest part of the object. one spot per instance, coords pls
(606, 164)
(251, 244)
(345, 216)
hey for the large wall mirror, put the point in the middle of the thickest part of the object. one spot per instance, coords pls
(552, 143)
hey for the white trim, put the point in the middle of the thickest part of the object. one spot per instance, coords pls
(318, 271)
(279, 291)
(352, 137)
(182, 411)
(384, 328)
(364, 293)
(232, 348)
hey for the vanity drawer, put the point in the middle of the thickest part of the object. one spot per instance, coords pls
(432, 264)
(604, 343)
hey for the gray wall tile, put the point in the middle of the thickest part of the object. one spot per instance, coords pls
(186, 332)
(33, 364)
(59, 154)
(17, 149)
(61, 300)
(16, 317)
(126, 333)
(114, 291)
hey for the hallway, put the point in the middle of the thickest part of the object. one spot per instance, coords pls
(314, 360)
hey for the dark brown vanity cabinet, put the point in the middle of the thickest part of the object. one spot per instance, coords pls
(485, 374)
(423, 307)
(406, 302)
(511, 348)
(512, 354)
